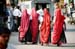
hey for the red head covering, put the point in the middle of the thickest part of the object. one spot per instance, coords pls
(34, 13)
(24, 23)
(46, 11)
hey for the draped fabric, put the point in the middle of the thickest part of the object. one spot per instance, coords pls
(58, 26)
(34, 24)
(45, 27)
(24, 24)
(2, 47)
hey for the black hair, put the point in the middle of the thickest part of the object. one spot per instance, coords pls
(18, 7)
(4, 30)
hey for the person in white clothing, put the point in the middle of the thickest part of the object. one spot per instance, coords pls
(17, 12)
(40, 18)
(40, 12)
(17, 15)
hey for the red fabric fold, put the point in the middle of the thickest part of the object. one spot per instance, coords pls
(58, 26)
(45, 27)
(34, 24)
(24, 23)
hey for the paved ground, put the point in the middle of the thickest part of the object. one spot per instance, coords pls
(70, 36)
(42, 47)
(70, 33)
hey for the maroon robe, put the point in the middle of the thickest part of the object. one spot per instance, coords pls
(24, 24)
(34, 24)
(45, 27)
(2, 47)
(58, 26)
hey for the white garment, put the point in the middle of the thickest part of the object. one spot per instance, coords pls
(40, 19)
(40, 12)
(30, 18)
(17, 12)
(10, 18)
(54, 18)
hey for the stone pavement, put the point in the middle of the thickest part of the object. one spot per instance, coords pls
(70, 36)
(43, 47)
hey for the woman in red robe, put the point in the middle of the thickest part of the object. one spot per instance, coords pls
(24, 24)
(34, 25)
(45, 28)
(58, 25)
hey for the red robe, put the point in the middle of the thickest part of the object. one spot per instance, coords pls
(24, 24)
(2, 47)
(58, 26)
(34, 25)
(45, 27)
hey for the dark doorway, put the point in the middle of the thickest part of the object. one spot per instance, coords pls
(40, 5)
(43, 6)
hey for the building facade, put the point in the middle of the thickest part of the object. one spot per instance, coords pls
(41, 4)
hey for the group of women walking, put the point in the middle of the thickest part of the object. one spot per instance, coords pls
(29, 28)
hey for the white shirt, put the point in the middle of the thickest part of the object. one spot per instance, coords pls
(40, 19)
(17, 12)
(40, 12)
